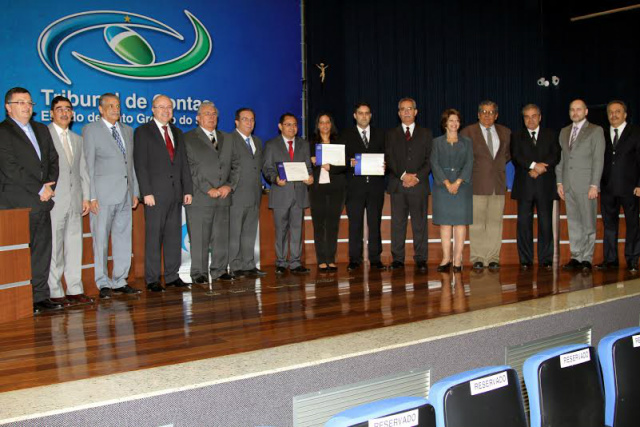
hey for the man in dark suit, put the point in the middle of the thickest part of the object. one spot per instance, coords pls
(364, 192)
(245, 200)
(165, 183)
(288, 200)
(578, 177)
(28, 173)
(535, 152)
(215, 170)
(620, 186)
(490, 156)
(408, 150)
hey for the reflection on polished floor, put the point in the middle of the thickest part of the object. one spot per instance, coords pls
(148, 330)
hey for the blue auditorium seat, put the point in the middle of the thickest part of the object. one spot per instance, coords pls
(619, 354)
(408, 409)
(565, 387)
(485, 397)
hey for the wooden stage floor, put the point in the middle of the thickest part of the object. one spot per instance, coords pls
(150, 330)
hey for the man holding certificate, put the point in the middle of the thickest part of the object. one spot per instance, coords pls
(365, 186)
(287, 167)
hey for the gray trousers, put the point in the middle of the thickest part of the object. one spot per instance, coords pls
(581, 220)
(112, 221)
(208, 231)
(243, 229)
(66, 252)
(288, 222)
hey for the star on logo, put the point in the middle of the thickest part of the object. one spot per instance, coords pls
(127, 19)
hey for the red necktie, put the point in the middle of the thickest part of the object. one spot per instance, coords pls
(407, 134)
(291, 149)
(167, 139)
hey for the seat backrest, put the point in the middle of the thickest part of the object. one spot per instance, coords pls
(395, 411)
(565, 387)
(485, 397)
(619, 354)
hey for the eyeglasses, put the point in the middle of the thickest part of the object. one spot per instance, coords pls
(63, 109)
(164, 107)
(247, 119)
(406, 109)
(209, 114)
(22, 103)
(488, 112)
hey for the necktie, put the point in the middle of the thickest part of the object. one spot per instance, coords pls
(167, 140)
(212, 137)
(574, 135)
(490, 142)
(615, 138)
(533, 137)
(364, 139)
(67, 147)
(116, 136)
(248, 140)
(34, 140)
(290, 149)
(407, 134)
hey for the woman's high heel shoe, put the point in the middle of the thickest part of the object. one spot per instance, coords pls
(457, 268)
(444, 267)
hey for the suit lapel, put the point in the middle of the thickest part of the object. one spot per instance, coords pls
(582, 134)
(623, 137)
(25, 139)
(57, 143)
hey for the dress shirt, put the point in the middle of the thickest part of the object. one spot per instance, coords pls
(110, 125)
(253, 146)
(210, 133)
(286, 144)
(620, 130)
(412, 126)
(28, 130)
(367, 131)
(161, 128)
(59, 131)
(495, 139)
(537, 131)
(579, 126)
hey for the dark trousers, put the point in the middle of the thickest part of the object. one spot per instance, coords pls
(326, 207)
(40, 245)
(403, 205)
(544, 208)
(359, 200)
(163, 235)
(610, 209)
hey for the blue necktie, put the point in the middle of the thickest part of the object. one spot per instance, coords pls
(116, 136)
(249, 145)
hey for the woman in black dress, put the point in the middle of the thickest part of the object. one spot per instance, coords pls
(326, 196)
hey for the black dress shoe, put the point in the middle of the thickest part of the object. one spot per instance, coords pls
(281, 270)
(47, 304)
(444, 267)
(494, 266)
(226, 277)
(548, 265)
(178, 283)
(255, 272)
(478, 265)
(378, 266)
(526, 265)
(64, 301)
(323, 269)
(200, 280)
(632, 268)
(396, 265)
(299, 270)
(332, 268)
(238, 274)
(352, 266)
(126, 289)
(105, 293)
(573, 264)
(421, 266)
(606, 266)
(155, 287)
(586, 266)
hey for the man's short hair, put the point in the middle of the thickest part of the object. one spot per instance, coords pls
(243, 109)
(104, 96)
(58, 99)
(284, 117)
(487, 102)
(529, 107)
(405, 99)
(361, 104)
(13, 91)
(206, 104)
(617, 101)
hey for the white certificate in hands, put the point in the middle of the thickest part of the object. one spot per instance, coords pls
(370, 164)
(332, 154)
(293, 171)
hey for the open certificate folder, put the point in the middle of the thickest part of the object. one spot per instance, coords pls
(292, 171)
(370, 164)
(332, 154)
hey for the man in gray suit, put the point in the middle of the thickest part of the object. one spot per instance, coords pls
(287, 199)
(108, 148)
(71, 204)
(578, 179)
(215, 172)
(245, 200)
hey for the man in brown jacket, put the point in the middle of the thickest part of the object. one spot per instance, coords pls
(490, 156)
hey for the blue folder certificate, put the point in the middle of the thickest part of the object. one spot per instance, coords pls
(370, 164)
(332, 154)
(292, 171)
